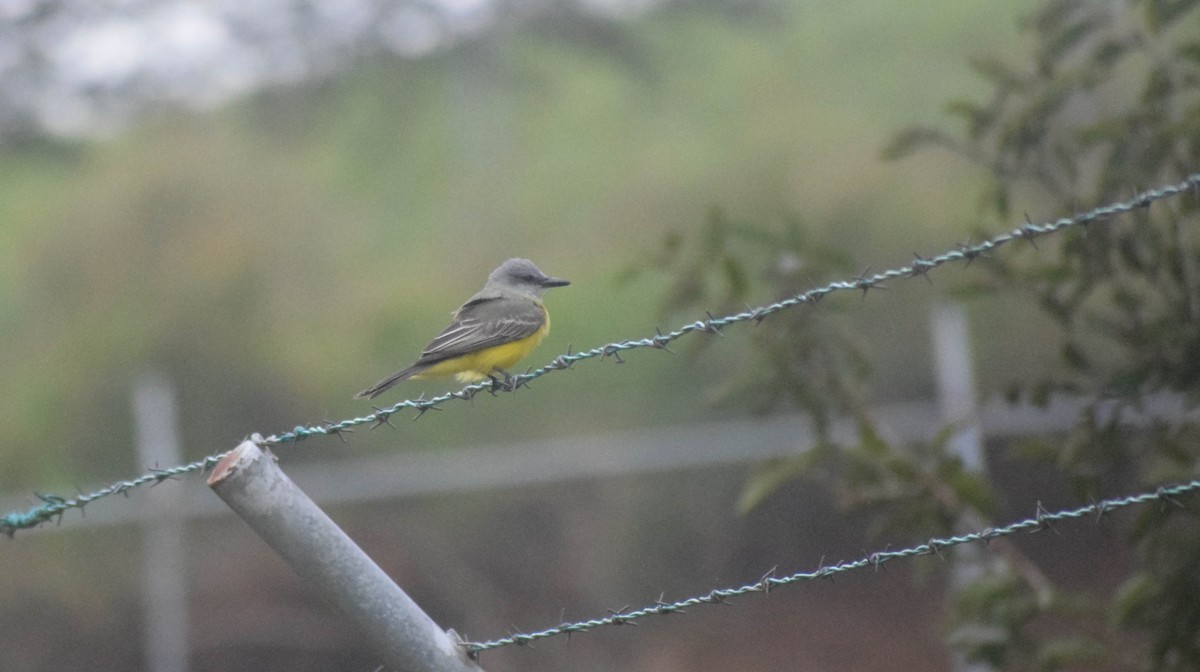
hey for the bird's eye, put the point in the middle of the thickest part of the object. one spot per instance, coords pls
(528, 277)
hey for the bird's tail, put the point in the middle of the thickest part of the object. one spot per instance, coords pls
(386, 384)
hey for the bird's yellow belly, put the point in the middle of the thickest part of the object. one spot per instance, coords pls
(476, 366)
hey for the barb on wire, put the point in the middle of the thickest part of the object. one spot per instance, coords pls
(920, 266)
(713, 325)
(54, 507)
(1040, 522)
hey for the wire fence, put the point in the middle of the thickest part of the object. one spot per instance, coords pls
(54, 506)
(1041, 521)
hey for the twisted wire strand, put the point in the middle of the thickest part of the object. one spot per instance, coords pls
(712, 325)
(54, 506)
(1041, 521)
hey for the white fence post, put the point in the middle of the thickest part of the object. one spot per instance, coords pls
(959, 406)
(164, 556)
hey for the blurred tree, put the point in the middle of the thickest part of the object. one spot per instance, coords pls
(1110, 101)
(78, 69)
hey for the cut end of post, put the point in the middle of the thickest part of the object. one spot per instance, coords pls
(247, 451)
(403, 635)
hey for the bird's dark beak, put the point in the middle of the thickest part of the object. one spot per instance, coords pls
(554, 282)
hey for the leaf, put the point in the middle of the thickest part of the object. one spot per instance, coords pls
(1133, 598)
(973, 490)
(1109, 51)
(1042, 450)
(981, 642)
(978, 118)
(1102, 132)
(735, 279)
(1075, 358)
(1068, 38)
(995, 197)
(1066, 651)
(871, 441)
(765, 479)
(910, 140)
(995, 71)
(1158, 87)
(1189, 51)
(1161, 13)
(971, 289)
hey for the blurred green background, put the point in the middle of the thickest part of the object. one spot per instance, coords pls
(275, 255)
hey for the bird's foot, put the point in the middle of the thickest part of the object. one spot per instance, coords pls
(504, 383)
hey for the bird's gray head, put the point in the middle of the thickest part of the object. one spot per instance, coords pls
(522, 275)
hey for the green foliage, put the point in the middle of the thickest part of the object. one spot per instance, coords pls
(999, 619)
(1108, 100)
(989, 615)
(1104, 107)
(810, 360)
(909, 491)
(278, 253)
(800, 359)
(1163, 598)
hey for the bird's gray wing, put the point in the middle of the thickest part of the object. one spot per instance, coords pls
(484, 323)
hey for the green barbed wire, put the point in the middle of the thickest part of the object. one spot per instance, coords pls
(1042, 520)
(54, 506)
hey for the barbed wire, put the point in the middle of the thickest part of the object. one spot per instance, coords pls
(54, 506)
(1042, 520)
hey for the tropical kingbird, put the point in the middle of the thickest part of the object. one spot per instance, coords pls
(493, 330)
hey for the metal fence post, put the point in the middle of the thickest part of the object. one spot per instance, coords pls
(164, 576)
(407, 640)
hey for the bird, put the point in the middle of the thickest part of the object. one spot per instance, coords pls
(489, 333)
